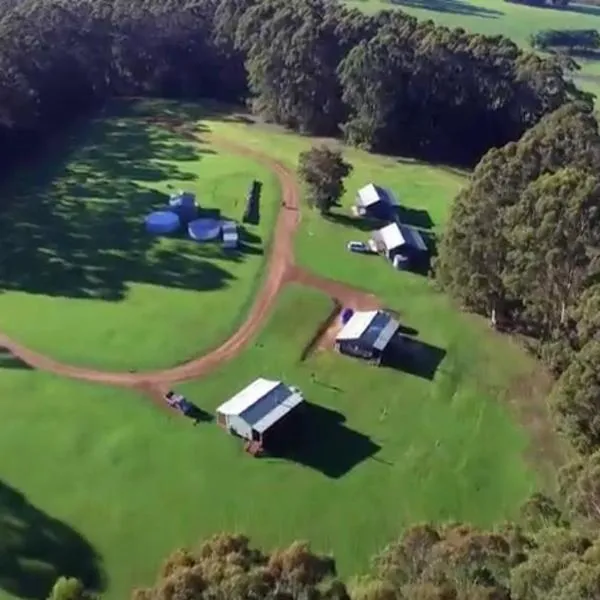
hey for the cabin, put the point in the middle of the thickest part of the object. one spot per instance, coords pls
(375, 202)
(366, 335)
(400, 244)
(256, 409)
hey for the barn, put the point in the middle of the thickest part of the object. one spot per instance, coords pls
(253, 411)
(375, 202)
(367, 334)
(399, 243)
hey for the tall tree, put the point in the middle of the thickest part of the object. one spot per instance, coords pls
(576, 399)
(554, 237)
(579, 486)
(227, 566)
(323, 171)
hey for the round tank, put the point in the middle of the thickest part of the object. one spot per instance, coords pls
(162, 222)
(203, 230)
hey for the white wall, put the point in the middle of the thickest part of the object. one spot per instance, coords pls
(240, 427)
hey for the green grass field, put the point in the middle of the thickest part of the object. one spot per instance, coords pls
(75, 251)
(118, 483)
(493, 17)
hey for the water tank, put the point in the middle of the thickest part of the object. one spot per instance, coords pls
(346, 315)
(162, 222)
(203, 230)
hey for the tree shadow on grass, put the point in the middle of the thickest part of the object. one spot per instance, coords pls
(78, 231)
(410, 355)
(358, 223)
(36, 549)
(8, 360)
(415, 217)
(457, 7)
(317, 437)
(584, 9)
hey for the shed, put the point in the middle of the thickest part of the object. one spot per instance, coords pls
(376, 202)
(367, 335)
(395, 239)
(257, 408)
(230, 234)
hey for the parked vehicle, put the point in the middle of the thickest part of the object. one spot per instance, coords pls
(360, 247)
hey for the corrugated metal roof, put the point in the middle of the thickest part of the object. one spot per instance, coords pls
(394, 236)
(413, 237)
(278, 412)
(386, 334)
(391, 236)
(247, 397)
(372, 328)
(369, 195)
(262, 403)
(356, 325)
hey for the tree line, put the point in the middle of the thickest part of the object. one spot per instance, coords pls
(385, 81)
(540, 557)
(523, 245)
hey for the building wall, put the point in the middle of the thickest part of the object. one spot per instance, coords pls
(352, 348)
(238, 425)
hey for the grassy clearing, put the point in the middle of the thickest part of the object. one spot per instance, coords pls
(493, 17)
(495, 365)
(78, 264)
(386, 448)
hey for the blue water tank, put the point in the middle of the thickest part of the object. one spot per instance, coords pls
(346, 315)
(162, 222)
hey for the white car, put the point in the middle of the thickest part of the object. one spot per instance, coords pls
(360, 247)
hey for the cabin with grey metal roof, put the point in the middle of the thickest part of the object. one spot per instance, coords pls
(375, 202)
(400, 244)
(367, 335)
(257, 408)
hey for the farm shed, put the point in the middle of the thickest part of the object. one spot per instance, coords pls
(376, 202)
(257, 408)
(367, 335)
(395, 239)
(230, 234)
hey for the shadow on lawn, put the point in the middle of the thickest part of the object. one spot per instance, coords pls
(457, 7)
(36, 549)
(358, 223)
(317, 437)
(9, 361)
(79, 231)
(410, 355)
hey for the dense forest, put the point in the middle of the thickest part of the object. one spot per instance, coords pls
(522, 243)
(387, 81)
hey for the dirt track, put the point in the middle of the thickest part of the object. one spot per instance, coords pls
(280, 270)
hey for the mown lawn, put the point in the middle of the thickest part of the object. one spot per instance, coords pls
(493, 17)
(82, 281)
(112, 483)
(382, 449)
